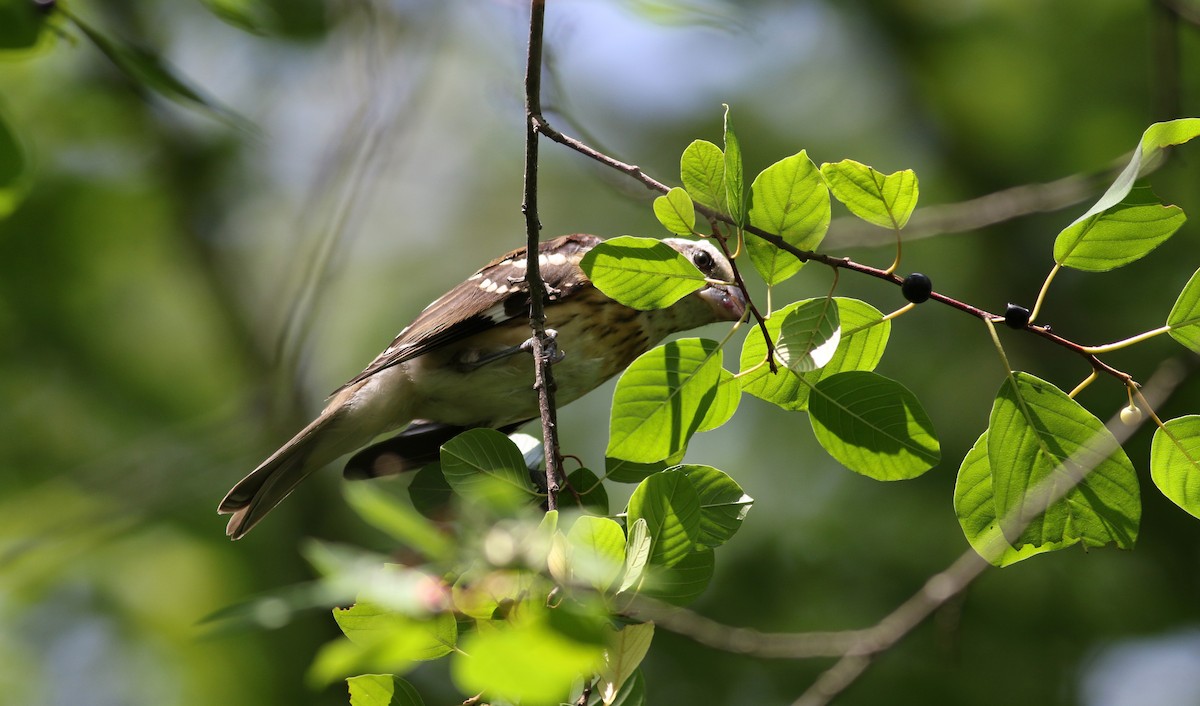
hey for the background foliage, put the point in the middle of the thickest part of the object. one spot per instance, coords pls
(179, 287)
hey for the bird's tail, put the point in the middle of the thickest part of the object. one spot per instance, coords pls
(316, 445)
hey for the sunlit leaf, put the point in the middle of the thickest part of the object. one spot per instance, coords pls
(976, 510)
(873, 425)
(382, 690)
(378, 639)
(1184, 318)
(479, 593)
(670, 505)
(729, 395)
(676, 212)
(484, 465)
(642, 273)
(1156, 138)
(863, 340)
(637, 553)
(735, 190)
(723, 503)
(633, 693)
(702, 171)
(1040, 443)
(662, 398)
(885, 200)
(809, 335)
(596, 547)
(1118, 235)
(789, 199)
(1175, 462)
(627, 648)
(532, 659)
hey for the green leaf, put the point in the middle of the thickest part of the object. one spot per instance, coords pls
(864, 337)
(669, 504)
(21, 24)
(873, 425)
(790, 199)
(627, 648)
(735, 190)
(809, 335)
(682, 583)
(662, 398)
(596, 547)
(399, 520)
(592, 494)
(642, 273)
(1156, 138)
(637, 553)
(1175, 462)
(381, 640)
(481, 593)
(1118, 235)
(248, 15)
(884, 200)
(632, 694)
(483, 465)
(702, 171)
(147, 70)
(382, 690)
(430, 493)
(621, 471)
(1184, 318)
(14, 167)
(532, 659)
(676, 212)
(729, 395)
(723, 503)
(406, 637)
(973, 503)
(1040, 442)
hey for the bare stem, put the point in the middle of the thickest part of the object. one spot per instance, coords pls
(543, 344)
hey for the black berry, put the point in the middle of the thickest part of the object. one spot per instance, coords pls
(44, 6)
(916, 288)
(1016, 316)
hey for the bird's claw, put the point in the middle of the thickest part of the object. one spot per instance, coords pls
(553, 354)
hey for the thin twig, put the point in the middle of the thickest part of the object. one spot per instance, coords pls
(969, 566)
(543, 344)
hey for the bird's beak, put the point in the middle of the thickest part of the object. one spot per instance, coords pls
(726, 301)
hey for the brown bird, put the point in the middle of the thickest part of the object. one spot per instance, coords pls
(460, 365)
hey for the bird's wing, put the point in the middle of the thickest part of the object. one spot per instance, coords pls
(495, 294)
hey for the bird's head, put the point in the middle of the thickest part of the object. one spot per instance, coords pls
(718, 302)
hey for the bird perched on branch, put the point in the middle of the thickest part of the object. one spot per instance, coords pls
(461, 364)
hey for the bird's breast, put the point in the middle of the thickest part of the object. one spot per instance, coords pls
(598, 339)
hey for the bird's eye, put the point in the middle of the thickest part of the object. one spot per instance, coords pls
(703, 260)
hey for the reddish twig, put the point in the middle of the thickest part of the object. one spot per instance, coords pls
(543, 343)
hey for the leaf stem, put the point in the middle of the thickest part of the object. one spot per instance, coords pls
(1083, 385)
(1037, 305)
(1128, 341)
(902, 310)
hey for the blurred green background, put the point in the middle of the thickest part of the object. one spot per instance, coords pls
(179, 290)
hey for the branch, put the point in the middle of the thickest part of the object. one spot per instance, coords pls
(958, 576)
(543, 343)
(828, 260)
